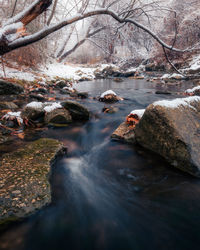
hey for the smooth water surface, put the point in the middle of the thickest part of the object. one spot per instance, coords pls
(109, 195)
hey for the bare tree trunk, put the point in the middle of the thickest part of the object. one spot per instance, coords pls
(35, 11)
(52, 12)
(78, 44)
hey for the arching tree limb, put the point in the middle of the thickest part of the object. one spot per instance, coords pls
(20, 42)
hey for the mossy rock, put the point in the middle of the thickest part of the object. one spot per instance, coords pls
(9, 88)
(76, 110)
(24, 179)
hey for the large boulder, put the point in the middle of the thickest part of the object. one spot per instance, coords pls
(76, 110)
(8, 88)
(172, 129)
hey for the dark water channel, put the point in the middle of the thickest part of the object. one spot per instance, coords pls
(109, 195)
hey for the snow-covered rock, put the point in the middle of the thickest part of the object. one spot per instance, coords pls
(171, 129)
(109, 96)
(193, 91)
(173, 76)
(108, 92)
(178, 102)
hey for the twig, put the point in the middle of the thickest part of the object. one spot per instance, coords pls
(14, 8)
(3, 66)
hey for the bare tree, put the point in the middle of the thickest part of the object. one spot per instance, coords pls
(13, 35)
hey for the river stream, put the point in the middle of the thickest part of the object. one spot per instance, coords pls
(108, 195)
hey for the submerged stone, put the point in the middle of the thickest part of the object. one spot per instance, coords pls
(24, 178)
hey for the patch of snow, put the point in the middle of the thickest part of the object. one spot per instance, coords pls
(68, 72)
(52, 106)
(195, 64)
(178, 102)
(138, 112)
(9, 31)
(104, 66)
(192, 90)
(173, 76)
(13, 73)
(35, 105)
(108, 92)
(12, 115)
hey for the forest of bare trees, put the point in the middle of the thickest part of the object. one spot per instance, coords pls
(113, 30)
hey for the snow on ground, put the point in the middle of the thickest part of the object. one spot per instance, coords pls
(138, 112)
(68, 72)
(195, 64)
(51, 71)
(108, 92)
(17, 74)
(54, 70)
(178, 102)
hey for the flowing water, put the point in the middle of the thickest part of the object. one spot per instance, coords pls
(109, 195)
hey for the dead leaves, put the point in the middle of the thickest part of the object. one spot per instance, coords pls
(132, 120)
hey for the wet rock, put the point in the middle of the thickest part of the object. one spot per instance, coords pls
(76, 110)
(38, 97)
(172, 129)
(8, 105)
(40, 90)
(124, 133)
(110, 97)
(62, 84)
(24, 177)
(8, 88)
(33, 111)
(58, 117)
